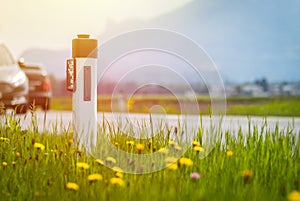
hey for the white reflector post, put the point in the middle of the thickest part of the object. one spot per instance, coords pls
(84, 100)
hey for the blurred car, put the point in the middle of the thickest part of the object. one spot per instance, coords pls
(13, 82)
(39, 84)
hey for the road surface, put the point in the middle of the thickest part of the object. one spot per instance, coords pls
(57, 121)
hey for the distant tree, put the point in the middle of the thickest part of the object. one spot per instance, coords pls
(238, 89)
(263, 83)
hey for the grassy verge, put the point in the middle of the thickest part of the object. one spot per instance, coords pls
(266, 106)
(262, 165)
(271, 106)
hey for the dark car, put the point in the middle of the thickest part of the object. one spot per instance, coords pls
(13, 82)
(39, 84)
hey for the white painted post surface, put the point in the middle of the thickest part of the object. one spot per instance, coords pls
(84, 100)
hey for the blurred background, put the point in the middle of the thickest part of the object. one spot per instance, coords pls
(254, 44)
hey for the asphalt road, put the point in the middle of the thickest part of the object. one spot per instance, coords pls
(57, 121)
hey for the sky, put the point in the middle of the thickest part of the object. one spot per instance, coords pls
(247, 40)
(53, 23)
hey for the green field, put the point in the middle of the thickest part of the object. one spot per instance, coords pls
(263, 106)
(261, 165)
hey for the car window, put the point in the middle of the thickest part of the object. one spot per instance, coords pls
(5, 56)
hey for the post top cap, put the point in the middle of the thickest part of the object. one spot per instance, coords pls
(86, 36)
(84, 47)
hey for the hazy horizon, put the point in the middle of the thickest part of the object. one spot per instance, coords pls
(246, 40)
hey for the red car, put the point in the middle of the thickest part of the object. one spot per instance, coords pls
(39, 85)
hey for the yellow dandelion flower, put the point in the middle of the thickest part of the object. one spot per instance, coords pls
(198, 149)
(294, 196)
(117, 169)
(171, 160)
(195, 143)
(130, 142)
(172, 143)
(185, 161)
(94, 177)
(18, 154)
(229, 153)
(14, 163)
(54, 152)
(247, 174)
(99, 162)
(4, 139)
(178, 148)
(39, 146)
(130, 103)
(71, 141)
(111, 160)
(118, 175)
(82, 165)
(163, 150)
(117, 181)
(72, 186)
(173, 166)
(4, 164)
(140, 147)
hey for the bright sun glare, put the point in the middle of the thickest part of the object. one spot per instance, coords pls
(52, 24)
